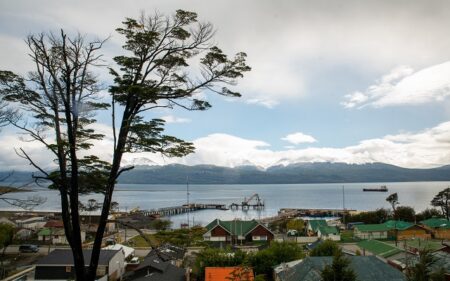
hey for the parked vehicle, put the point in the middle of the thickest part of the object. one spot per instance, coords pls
(29, 248)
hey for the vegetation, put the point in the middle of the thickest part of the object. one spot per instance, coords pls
(423, 269)
(159, 224)
(60, 99)
(178, 237)
(406, 213)
(262, 261)
(296, 224)
(6, 239)
(371, 217)
(428, 214)
(325, 249)
(339, 270)
(442, 201)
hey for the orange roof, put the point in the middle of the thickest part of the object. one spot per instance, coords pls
(55, 224)
(229, 274)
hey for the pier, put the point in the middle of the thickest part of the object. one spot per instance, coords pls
(177, 210)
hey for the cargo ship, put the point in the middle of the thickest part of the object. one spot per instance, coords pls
(382, 188)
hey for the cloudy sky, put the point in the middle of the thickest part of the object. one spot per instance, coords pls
(340, 81)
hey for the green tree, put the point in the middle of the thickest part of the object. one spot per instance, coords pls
(339, 270)
(423, 269)
(217, 257)
(277, 253)
(60, 99)
(393, 200)
(371, 217)
(296, 224)
(406, 213)
(6, 238)
(428, 214)
(325, 249)
(160, 224)
(442, 200)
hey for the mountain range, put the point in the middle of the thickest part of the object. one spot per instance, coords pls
(294, 173)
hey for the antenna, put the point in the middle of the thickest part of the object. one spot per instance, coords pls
(343, 204)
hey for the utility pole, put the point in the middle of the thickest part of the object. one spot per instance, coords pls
(343, 205)
(187, 200)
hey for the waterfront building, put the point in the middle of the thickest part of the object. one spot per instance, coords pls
(237, 231)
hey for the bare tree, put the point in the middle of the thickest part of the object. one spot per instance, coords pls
(27, 204)
(154, 73)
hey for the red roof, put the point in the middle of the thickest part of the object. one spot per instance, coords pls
(55, 224)
(229, 273)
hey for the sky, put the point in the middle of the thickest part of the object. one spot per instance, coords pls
(338, 81)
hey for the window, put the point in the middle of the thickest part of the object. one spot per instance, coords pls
(68, 269)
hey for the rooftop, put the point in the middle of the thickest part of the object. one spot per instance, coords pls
(437, 223)
(378, 248)
(236, 227)
(228, 273)
(316, 223)
(64, 257)
(367, 268)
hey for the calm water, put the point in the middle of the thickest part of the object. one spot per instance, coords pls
(275, 196)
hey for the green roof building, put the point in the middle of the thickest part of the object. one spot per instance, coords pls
(237, 230)
(439, 227)
(313, 226)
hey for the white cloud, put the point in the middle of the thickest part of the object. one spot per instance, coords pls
(424, 149)
(404, 86)
(298, 138)
(280, 39)
(173, 119)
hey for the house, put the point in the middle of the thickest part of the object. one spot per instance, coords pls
(32, 223)
(313, 225)
(53, 232)
(439, 227)
(370, 231)
(237, 230)
(328, 232)
(406, 230)
(58, 265)
(128, 252)
(368, 268)
(155, 268)
(229, 273)
(390, 229)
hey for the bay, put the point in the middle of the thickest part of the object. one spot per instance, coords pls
(275, 196)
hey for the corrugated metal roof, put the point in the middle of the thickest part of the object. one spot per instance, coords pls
(367, 268)
(316, 223)
(437, 223)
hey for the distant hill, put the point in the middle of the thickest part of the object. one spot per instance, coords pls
(294, 173)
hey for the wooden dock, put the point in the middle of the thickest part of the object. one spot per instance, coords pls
(177, 210)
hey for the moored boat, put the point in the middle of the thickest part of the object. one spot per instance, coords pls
(382, 188)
